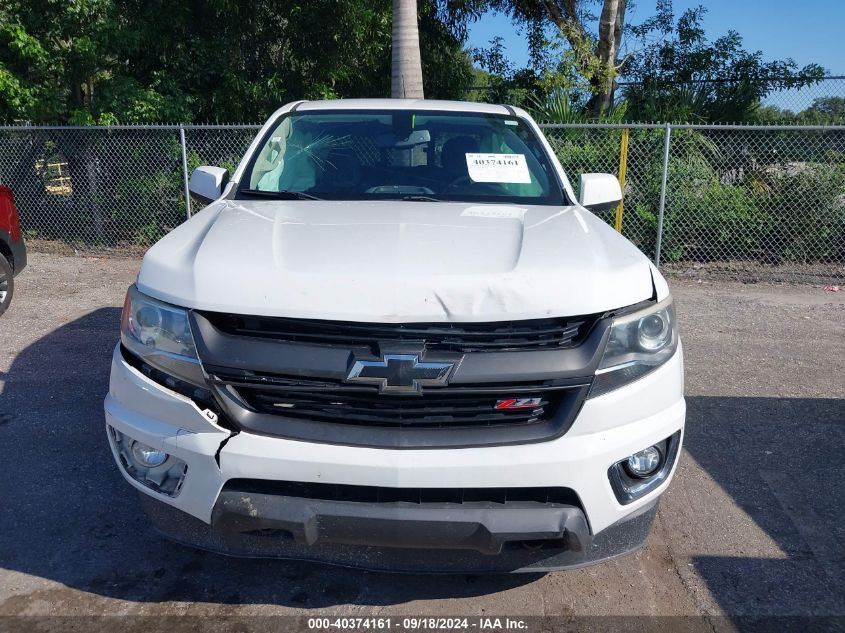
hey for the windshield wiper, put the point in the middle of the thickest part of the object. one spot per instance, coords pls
(420, 199)
(279, 195)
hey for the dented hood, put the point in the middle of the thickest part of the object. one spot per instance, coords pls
(389, 261)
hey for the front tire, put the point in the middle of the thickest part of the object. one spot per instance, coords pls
(7, 284)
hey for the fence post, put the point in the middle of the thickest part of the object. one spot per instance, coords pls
(185, 170)
(92, 169)
(662, 207)
(623, 169)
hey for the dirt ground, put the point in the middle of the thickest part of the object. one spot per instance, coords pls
(752, 525)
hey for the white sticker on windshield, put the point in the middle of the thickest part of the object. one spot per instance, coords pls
(504, 168)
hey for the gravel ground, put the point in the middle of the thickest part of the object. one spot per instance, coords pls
(752, 525)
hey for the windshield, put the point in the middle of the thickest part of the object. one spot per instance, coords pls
(402, 155)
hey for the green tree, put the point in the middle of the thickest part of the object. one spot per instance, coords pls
(500, 80)
(685, 77)
(593, 55)
(103, 61)
(52, 56)
(824, 110)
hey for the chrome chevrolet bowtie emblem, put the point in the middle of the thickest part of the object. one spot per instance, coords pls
(400, 373)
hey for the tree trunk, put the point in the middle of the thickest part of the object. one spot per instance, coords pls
(565, 15)
(617, 38)
(611, 23)
(406, 79)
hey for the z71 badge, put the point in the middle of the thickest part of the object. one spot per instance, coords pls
(518, 403)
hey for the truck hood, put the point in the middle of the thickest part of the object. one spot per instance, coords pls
(389, 261)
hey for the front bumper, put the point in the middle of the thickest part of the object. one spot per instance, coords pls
(209, 513)
(19, 254)
(18, 249)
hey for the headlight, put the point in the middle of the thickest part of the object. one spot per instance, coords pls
(638, 343)
(160, 335)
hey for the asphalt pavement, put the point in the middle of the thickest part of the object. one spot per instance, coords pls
(751, 527)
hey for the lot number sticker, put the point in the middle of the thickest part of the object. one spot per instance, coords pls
(504, 168)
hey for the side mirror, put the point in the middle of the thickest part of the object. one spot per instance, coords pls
(207, 183)
(599, 192)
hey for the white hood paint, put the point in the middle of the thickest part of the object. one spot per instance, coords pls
(389, 261)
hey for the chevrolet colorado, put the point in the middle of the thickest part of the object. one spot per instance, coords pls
(396, 339)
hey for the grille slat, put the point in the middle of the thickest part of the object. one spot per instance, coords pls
(333, 401)
(330, 403)
(371, 409)
(536, 334)
(291, 384)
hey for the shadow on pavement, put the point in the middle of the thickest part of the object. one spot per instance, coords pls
(69, 517)
(781, 462)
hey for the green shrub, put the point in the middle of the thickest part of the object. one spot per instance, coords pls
(726, 198)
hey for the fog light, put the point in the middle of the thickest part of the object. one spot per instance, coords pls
(643, 463)
(149, 466)
(645, 470)
(147, 456)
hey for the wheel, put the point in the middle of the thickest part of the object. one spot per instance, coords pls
(7, 284)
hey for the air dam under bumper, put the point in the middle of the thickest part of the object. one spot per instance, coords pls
(439, 540)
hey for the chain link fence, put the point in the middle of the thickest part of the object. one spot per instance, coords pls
(115, 188)
(795, 99)
(752, 202)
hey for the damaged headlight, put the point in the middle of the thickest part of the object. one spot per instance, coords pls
(638, 343)
(160, 335)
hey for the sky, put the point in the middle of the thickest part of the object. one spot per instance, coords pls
(807, 31)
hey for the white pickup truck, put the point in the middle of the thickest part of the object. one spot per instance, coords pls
(395, 339)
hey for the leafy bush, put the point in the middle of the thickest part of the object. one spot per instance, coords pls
(727, 198)
(807, 221)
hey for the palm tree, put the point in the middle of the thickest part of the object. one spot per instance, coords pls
(406, 79)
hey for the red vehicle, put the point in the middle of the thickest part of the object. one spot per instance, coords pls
(12, 250)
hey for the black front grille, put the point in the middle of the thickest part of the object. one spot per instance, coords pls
(420, 496)
(429, 410)
(536, 334)
(363, 405)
